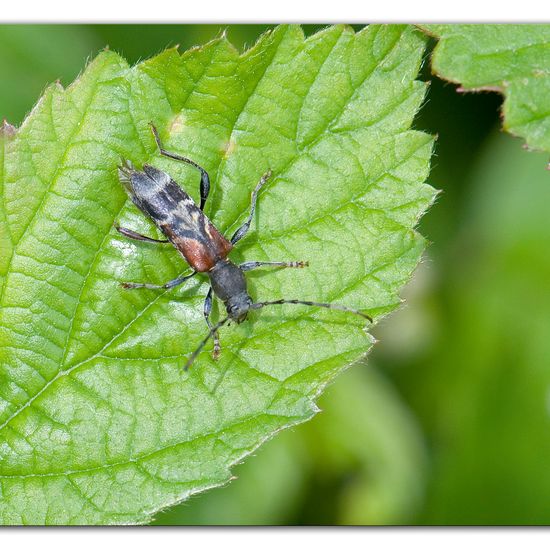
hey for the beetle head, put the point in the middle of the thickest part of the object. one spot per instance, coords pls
(238, 307)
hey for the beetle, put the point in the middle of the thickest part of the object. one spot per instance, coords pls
(200, 243)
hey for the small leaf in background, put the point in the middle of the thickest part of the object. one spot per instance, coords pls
(98, 423)
(511, 59)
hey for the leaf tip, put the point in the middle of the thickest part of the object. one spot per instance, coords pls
(223, 38)
(347, 28)
(7, 129)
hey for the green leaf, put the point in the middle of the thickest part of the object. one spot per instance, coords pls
(98, 423)
(511, 59)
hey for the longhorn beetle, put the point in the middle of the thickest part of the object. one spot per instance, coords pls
(204, 248)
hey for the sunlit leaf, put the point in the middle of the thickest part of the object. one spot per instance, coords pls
(98, 422)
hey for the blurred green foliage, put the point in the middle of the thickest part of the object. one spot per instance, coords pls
(488, 371)
(449, 423)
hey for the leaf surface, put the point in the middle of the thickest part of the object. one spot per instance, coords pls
(98, 423)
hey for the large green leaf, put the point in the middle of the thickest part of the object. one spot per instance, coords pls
(98, 423)
(511, 59)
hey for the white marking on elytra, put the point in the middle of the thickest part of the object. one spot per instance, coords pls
(207, 229)
(151, 186)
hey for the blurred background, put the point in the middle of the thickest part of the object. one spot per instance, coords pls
(448, 422)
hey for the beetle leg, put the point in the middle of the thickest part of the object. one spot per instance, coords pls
(207, 311)
(338, 307)
(137, 236)
(168, 285)
(205, 180)
(242, 231)
(248, 266)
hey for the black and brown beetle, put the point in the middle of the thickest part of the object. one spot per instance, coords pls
(204, 248)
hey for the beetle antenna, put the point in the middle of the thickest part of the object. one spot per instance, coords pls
(210, 334)
(315, 304)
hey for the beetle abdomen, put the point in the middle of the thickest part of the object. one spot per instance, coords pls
(175, 213)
